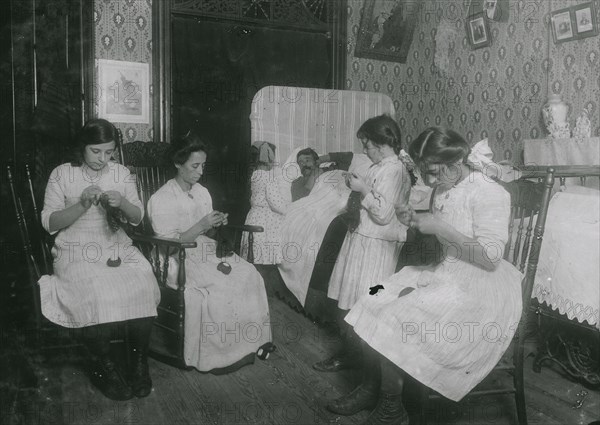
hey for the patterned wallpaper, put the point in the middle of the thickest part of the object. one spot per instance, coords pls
(124, 32)
(495, 92)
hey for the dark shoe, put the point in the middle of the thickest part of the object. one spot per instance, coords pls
(334, 364)
(141, 383)
(359, 399)
(389, 411)
(109, 381)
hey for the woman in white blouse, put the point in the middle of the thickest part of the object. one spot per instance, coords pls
(369, 253)
(226, 314)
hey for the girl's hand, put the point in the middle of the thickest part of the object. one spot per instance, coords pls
(211, 220)
(113, 198)
(356, 183)
(405, 214)
(425, 223)
(89, 196)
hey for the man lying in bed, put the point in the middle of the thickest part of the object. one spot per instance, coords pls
(308, 161)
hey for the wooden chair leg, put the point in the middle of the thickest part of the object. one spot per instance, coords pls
(519, 383)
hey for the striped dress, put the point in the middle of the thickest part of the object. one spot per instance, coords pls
(370, 253)
(452, 329)
(84, 290)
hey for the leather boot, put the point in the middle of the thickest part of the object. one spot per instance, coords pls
(388, 411)
(104, 374)
(141, 383)
(139, 338)
(108, 380)
(364, 396)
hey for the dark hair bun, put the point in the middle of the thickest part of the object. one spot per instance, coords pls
(182, 147)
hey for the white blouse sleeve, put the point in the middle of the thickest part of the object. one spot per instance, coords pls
(162, 211)
(491, 213)
(54, 199)
(380, 201)
(131, 193)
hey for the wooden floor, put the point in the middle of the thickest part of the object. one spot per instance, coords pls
(51, 388)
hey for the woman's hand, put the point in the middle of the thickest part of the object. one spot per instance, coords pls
(356, 183)
(213, 219)
(113, 198)
(425, 223)
(89, 196)
(224, 220)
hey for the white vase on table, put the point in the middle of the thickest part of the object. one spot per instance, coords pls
(555, 113)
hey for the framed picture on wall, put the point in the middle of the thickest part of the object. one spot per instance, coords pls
(585, 20)
(123, 91)
(495, 10)
(562, 25)
(478, 31)
(386, 29)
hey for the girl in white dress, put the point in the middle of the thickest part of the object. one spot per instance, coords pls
(369, 253)
(226, 314)
(446, 325)
(267, 208)
(99, 277)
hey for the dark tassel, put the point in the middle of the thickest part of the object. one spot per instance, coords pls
(352, 215)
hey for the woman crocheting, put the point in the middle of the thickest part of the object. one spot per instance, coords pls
(446, 325)
(226, 314)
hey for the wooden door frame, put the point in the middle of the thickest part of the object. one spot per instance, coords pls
(162, 14)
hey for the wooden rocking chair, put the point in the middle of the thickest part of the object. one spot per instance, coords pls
(148, 161)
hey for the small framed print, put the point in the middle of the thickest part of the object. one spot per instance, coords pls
(562, 25)
(586, 24)
(123, 91)
(478, 31)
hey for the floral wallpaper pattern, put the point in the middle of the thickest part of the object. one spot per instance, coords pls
(495, 92)
(123, 30)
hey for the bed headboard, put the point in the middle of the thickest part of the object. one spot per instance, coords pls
(323, 119)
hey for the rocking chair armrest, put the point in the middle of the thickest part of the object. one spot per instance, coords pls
(246, 228)
(176, 243)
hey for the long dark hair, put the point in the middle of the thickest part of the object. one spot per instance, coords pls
(437, 145)
(95, 132)
(384, 130)
(381, 130)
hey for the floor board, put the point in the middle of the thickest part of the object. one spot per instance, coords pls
(52, 387)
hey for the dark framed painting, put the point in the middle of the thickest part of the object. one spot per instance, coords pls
(478, 31)
(586, 24)
(562, 25)
(386, 29)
